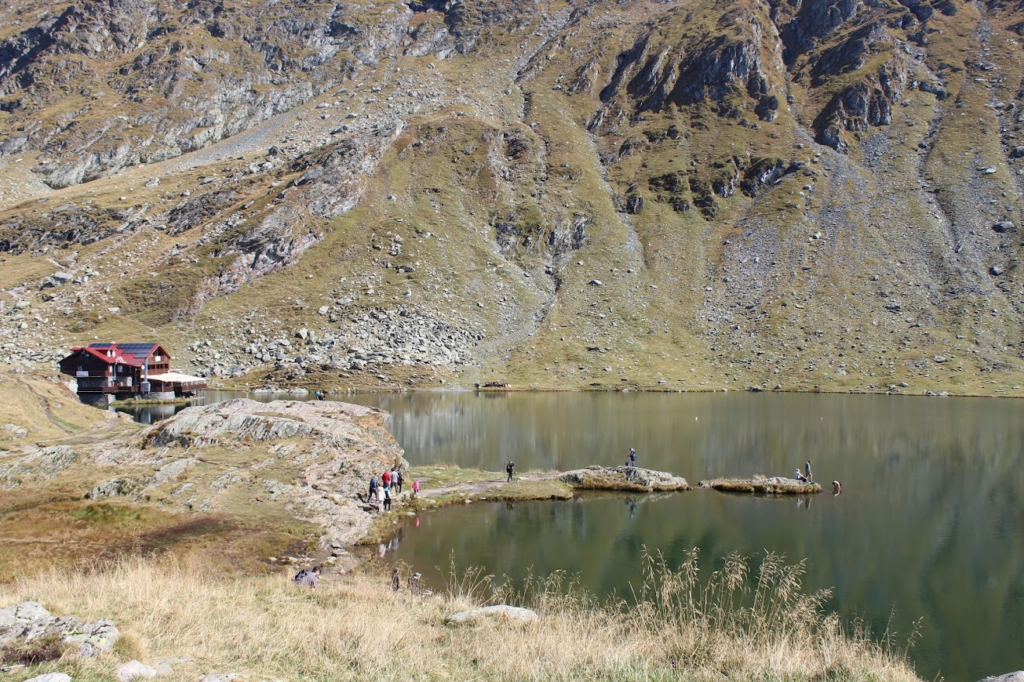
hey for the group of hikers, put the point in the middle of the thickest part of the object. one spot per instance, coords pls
(384, 488)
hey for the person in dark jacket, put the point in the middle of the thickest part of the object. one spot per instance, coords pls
(372, 497)
(509, 467)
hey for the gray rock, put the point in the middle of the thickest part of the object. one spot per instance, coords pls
(623, 478)
(219, 677)
(1004, 226)
(995, 270)
(51, 677)
(29, 620)
(513, 613)
(1008, 677)
(112, 488)
(134, 670)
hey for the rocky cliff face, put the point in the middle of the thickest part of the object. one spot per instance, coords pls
(688, 193)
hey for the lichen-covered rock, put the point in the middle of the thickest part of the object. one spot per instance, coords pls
(28, 620)
(38, 465)
(113, 488)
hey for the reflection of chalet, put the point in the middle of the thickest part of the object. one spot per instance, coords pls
(106, 371)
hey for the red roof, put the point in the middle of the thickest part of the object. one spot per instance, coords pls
(131, 354)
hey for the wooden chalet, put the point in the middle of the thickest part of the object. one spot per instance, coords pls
(118, 371)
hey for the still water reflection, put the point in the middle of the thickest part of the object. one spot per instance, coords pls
(929, 525)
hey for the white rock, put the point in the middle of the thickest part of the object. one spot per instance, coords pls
(51, 677)
(1008, 677)
(513, 613)
(134, 670)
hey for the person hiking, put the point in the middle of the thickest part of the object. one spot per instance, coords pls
(381, 493)
(398, 480)
(387, 499)
(373, 489)
(509, 467)
(415, 488)
(395, 583)
(386, 477)
(632, 457)
(307, 577)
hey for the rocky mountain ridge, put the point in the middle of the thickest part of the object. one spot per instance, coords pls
(681, 194)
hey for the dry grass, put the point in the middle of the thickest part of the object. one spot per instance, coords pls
(40, 404)
(738, 624)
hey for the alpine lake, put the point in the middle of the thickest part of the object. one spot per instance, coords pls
(926, 539)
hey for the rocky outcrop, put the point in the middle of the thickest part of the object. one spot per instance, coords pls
(246, 421)
(28, 621)
(770, 485)
(859, 106)
(39, 464)
(330, 448)
(626, 478)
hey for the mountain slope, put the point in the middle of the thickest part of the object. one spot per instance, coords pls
(682, 194)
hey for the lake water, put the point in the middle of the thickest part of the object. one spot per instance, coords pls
(930, 524)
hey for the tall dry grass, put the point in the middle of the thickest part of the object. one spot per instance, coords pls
(736, 624)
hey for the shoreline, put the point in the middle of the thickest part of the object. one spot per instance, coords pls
(449, 485)
(339, 392)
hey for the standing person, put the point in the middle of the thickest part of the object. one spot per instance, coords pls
(371, 498)
(509, 467)
(399, 480)
(415, 488)
(395, 584)
(387, 499)
(632, 457)
(380, 499)
(386, 477)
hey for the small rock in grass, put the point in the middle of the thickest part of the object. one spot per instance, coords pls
(513, 613)
(134, 670)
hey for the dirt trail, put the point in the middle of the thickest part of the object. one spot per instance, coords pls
(479, 487)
